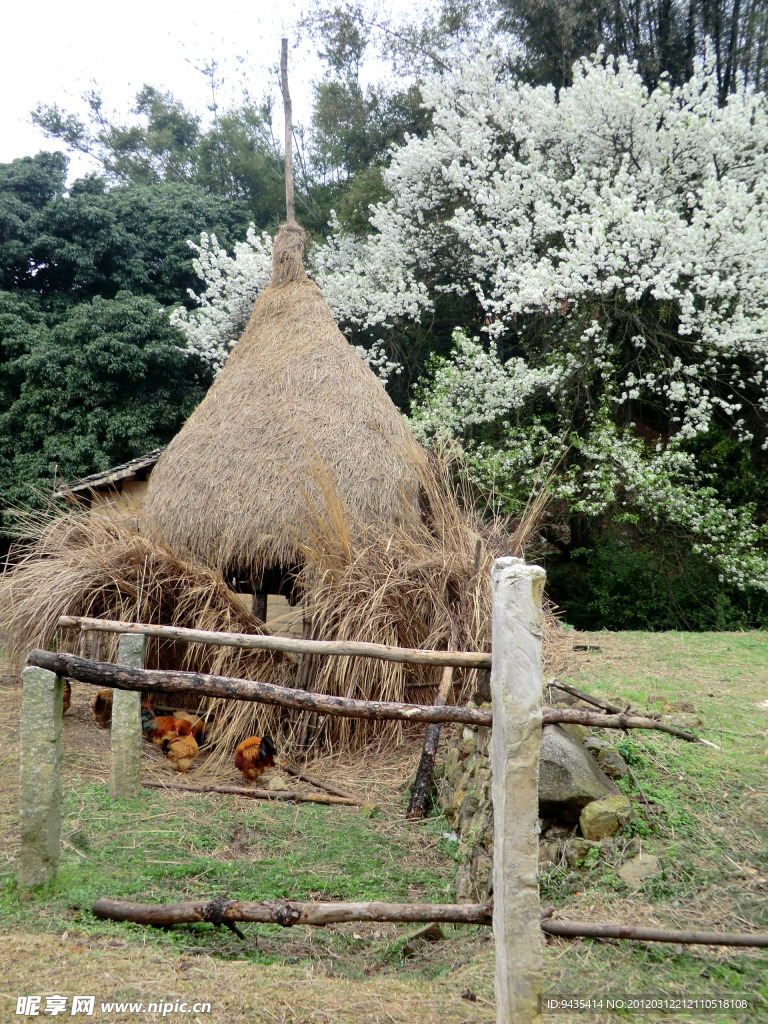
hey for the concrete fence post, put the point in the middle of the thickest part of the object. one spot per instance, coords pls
(125, 764)
(516, 691)
(40, 776)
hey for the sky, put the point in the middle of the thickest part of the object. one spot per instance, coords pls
(53, 51)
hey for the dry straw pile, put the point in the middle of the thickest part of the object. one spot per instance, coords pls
(298, 467)
(293, 403)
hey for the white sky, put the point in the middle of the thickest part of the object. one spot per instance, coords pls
(51, 51)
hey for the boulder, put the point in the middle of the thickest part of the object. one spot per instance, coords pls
(639, 869)
(605, 817)
(612, 763)
(683, 720)
(569, 776)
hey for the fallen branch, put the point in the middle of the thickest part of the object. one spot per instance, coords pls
(288, 913)
(581, 716)
(104, 674)
(289, 645)
(597, 701)
(586, 929)
(256, 794)
(336, 790)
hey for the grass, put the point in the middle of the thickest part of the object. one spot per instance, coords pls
(707, 824)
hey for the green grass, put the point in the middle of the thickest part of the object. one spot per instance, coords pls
(205, 846)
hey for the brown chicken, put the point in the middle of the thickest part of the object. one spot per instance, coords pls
(254, 756)
(67, 696)
(166, 727)
(198, 725)
(101, 705)
(180, 751)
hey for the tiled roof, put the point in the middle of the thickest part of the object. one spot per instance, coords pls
(103, 481)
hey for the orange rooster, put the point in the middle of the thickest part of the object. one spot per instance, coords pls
(166, 727)
(198, 725)
(180, 751)
(254, 756)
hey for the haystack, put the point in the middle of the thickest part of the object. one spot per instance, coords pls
(295, 421)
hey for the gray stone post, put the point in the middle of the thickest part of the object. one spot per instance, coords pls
(40, 776)
(125, 765)
(516, 687)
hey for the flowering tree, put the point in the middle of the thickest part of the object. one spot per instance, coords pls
(616, 244)
(232, 284)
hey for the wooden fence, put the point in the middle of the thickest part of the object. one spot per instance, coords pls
(516, 690)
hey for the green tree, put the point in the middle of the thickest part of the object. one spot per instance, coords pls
(107, 380)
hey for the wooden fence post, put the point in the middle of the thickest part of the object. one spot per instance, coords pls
(516, 686)
(40, 776)
(125, 764)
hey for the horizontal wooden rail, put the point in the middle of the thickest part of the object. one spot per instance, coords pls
(287, 645)
(290, 912)
(100, 673)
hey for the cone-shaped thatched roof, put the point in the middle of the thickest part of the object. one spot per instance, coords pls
(294, 416)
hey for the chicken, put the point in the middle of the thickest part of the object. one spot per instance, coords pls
(180, 751)
(254, 756)
(101, 705)
(67, 696)
(198, 725)
(166, 727)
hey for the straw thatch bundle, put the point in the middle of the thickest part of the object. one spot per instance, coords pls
(295, 416)
(77, 562)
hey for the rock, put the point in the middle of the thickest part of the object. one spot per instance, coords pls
(679, 705)
(579, 732)
(683, 721)
(605, 817)
(595, 743)
(275, 783)
(639, 869)
(547, 854)
(569, 777)
(558, 831)
(612, 763)
(576, 851)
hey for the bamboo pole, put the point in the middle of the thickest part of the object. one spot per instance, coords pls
(515, 741)
(288, 645)
(257, 794)
(290, 205)
(320, 783)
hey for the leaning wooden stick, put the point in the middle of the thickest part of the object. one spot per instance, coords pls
(256, 794)
(417, 808)
(290, 912)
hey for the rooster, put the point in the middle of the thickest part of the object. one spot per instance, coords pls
(198, 725)
(180, 751)
(254, 756)
(101, 705)
(166, 727)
